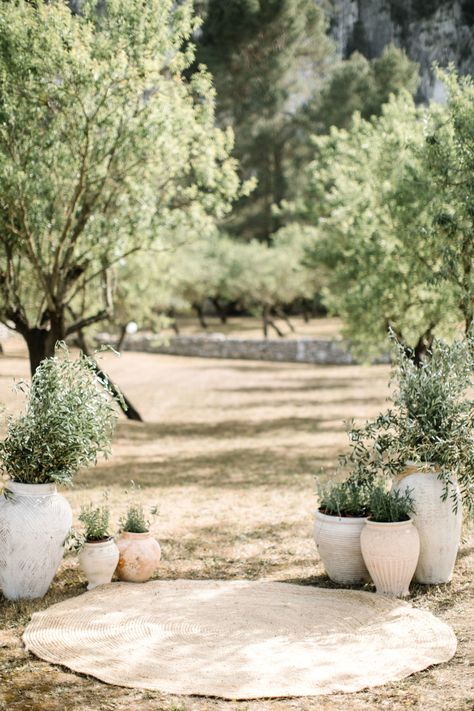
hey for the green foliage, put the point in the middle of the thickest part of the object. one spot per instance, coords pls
(108, 146)
(391, 200)
(432, 419)
(371, 200)
(135, 521)
(448, 160)
(362, 85)
(348, 498)
(390, 506)
(261, 53)
(67, 423)
(96, 522)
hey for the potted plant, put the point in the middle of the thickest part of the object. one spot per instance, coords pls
(338, 524)
(68, 421)
(99, 553)
(140, 552)
(425, 442)
(389, 541)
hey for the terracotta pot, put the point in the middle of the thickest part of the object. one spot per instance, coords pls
(438, 525)
(98, 560)
(390, 552)
(338, 542)
(140, 555)
(34, 523)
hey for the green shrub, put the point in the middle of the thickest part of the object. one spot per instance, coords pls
(68, 422)
(134, 520)
(431, 421)
(96, 522)
(390, 506)
(347, 498)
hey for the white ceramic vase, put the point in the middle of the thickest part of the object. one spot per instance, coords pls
(98, 560)
(438, 525)
(140, 555)
(390, 552)
(338, 542)
(34, 523)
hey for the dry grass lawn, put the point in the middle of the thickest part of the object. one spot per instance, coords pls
(230, 452)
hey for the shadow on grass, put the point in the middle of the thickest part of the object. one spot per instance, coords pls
(343, 401)
(237, 468)
(307, 385)
(149, 431)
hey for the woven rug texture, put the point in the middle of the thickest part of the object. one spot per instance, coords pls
(238, 639)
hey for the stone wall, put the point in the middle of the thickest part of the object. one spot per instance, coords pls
(290, 351)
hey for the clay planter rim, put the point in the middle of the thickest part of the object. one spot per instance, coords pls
(374, 524)
(18, 487)
(349, 520)
(132, 534)
(99, 543)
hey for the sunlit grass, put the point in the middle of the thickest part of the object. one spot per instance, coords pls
(231, 453)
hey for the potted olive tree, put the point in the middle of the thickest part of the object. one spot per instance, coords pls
(140, 552)
(389, 542)
(68, 421)
(99, 554)
(337, 527)
(425, 442)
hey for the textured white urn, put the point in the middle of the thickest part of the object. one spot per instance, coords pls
(98, 560)
(438, 525)
(34, 523)
(390, 552)
(337, 539)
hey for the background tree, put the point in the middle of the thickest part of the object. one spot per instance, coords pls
(261, 53)
(106, 149)
(372, 200)
(448, 159)
(362, 85)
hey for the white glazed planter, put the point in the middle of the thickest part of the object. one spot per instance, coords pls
(140, 555)
(98, 561)
(34, 523)
(338, 542)
(439, 527)
(390, 551)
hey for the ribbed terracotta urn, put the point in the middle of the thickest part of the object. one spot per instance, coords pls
(337, 539)
(390, 552)
(140, 555)
(437, 523)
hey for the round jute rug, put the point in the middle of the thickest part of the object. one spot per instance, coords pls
(238, 639)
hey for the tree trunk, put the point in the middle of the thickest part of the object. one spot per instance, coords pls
(200, 314)
(422, 347)
(128, 410)
(40, 346)
(265, 321)
(286, 319)
(221, 310)
(122, 337)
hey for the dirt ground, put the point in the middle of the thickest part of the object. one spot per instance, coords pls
(231, 452)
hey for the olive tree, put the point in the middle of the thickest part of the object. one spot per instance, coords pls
(372, 201)
(108, 147)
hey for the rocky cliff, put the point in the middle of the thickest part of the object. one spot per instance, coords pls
(440, 31)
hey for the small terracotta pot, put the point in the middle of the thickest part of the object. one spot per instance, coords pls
(140, 555)
(98, 560)
(338, 542)
(390, 552)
